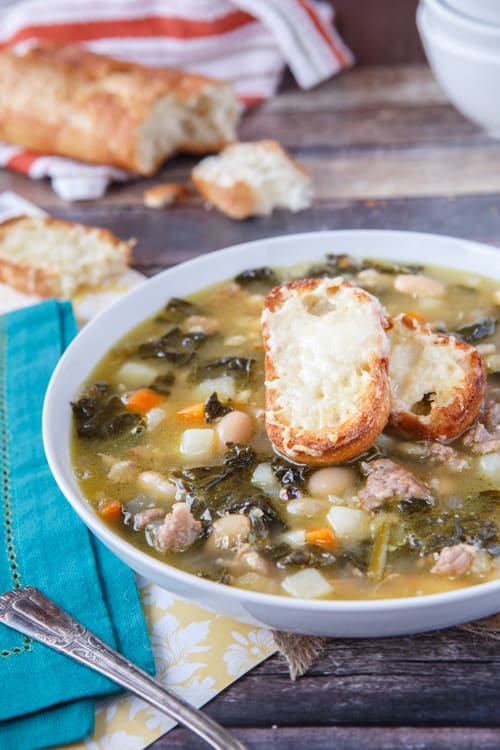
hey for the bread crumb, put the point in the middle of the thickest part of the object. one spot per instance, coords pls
(166, 194)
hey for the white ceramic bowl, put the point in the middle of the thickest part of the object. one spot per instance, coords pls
(333, 618)
(470, 32)
(467, 71)
(487, 11)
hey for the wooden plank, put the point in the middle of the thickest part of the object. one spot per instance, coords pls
(398, 86)
(365, 128)
(408, 173)
(345, 738)
(435, 679)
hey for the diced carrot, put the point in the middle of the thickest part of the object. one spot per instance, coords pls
(110, 510)
(415, 316)
(144, 400)
(323, 537)
(193, 412)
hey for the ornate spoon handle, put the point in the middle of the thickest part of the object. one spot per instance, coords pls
(35, 615)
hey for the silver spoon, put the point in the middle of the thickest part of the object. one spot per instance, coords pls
(37, 616)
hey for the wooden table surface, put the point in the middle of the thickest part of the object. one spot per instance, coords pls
(385, 151)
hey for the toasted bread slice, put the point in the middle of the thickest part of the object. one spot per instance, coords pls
(326, 361)
(438, 382)
(53, 258)
(250, 179)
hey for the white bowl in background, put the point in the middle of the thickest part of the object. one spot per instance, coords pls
(487, 11)
(469, 75)
(331, 618)
(460, 29)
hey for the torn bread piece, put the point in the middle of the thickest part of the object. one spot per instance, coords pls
(53, 258)
(328, 392)
(438, 382)
(252, 179)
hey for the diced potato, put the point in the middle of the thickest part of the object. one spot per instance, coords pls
(223, 386)
(306, 584)
(489, 466)
(294, 538)
(349, 524)
(198, 443)
(263, 476)
(135, 374)
(155, 417)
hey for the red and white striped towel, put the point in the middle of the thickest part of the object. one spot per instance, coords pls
(246, 41)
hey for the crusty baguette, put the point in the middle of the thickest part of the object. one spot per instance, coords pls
(62, 99)
(251, 179)
(438, 382)
(53, 258)
(326, 361)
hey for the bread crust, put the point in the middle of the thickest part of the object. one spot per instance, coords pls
(31, 279)
(340, 442)
(238, 201)
(445, 422)
(62, 99)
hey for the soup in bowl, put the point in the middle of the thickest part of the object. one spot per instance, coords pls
(155, 429)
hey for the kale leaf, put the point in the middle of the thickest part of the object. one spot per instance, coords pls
(263, 277)
(292, 477)
(239, 368)
(477, 330)
(162, 383)
(335, 265)
(176, 310)
(175, 346)
(213, 491)
(99, 413)
(214, 408)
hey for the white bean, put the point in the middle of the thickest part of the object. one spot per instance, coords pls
(122, 471)
(235, 427)
(418, 286)
(231, 531)
(156, 485)
(334, 480)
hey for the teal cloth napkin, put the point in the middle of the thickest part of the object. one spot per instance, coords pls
(46, 698)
